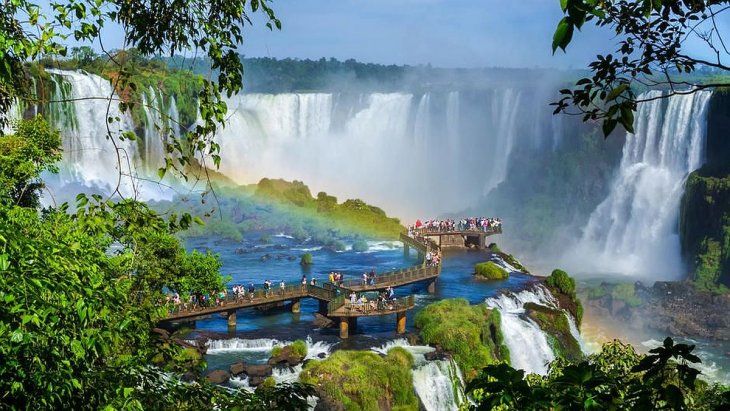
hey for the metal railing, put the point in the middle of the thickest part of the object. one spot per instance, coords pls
(456, 230)
(410, 274)
(348, 308)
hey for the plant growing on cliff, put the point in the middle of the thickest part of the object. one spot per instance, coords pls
(490, 271)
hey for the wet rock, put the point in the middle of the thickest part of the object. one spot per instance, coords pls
(218, 376)
(287, 357)
(257, 371)
(162, 333)
(237, 368)
(321, 321)
(321, 355)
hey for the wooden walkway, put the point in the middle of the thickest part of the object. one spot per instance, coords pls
(334, 298)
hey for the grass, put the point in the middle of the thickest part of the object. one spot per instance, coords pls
(471, 333)
(490, 271)
(364, 380)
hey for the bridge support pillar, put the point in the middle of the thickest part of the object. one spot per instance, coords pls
(421, 255)
(232, 319)
(344, 328)
(406, 250)
(296, 306)
(431, 286)
(400, 323)
(322, 307)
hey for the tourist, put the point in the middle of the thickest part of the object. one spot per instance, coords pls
(314, 281)
(353, 298)
(251, 291)
(365, 278)
(304, 282)
(282, 287)
(332, 277)
(267, 287)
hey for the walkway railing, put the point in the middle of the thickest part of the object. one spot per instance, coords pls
(394, 278)
(469, 230)
(347, 308)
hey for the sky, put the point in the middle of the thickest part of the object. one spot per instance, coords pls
(444, 33)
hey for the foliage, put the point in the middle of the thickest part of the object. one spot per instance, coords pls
(651, 37)
(306, 259)
(560, 280)
(626, 292)
(364, 380)
(490, 271)
(31, 149)
(299, 348)
(615, 378)
(493, 247)
(360, 246)
(471, 333)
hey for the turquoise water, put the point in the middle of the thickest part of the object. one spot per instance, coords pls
(251, 260)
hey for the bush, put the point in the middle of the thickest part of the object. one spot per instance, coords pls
(494, 248)
(360, 246)
(299, 348)
(626, 293)
(471, 333)
(306, 259)
(490, 271)
(561, 281)
(363, 380)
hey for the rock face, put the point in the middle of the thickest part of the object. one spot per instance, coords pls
(321, 321)
(675, 308)
(555, 325)
(218, 376)
(256, 373)
(237, 368)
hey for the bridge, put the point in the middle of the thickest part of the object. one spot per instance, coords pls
(332, 297)
(456, 238)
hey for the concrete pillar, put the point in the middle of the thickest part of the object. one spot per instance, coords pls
(323, 307)
(344, 328)
(232, 319)
(296, 306)
(406, 250)
(431, 286)
(400, 324)
(482, 241)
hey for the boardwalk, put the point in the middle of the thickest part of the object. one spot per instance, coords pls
(331, 297)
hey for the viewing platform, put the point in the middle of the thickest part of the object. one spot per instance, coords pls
(332, 298)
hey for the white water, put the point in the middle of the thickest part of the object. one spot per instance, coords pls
(528, 346)
(411, 154)
(634, 230)
(439, 384)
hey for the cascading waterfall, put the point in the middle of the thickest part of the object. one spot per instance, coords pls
(425, 153)
(634, 230)
(528, 345)
(439, 384)
(154, 121)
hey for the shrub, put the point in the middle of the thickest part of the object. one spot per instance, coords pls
(626, 293)
(561, 281)
(494, 248)
(360, 246)
(306, 259)
(299, 348)
(490, 271)
(471, 333)
(276, 351)
(363, 380)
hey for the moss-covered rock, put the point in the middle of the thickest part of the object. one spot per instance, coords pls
(364, 380)
(471, 333)
(306, 259)
(490, 271)
(554, 323)
(563, 289)
(360, 246)
(511, 260)
(290, 355)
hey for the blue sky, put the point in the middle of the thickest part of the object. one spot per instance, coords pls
(445, 33)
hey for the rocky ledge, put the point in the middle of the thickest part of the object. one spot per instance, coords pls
(674, 308)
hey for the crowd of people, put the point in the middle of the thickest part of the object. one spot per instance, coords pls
(433, 258)
(465, 224)
(383, 301)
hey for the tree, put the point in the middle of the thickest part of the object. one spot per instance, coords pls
(652, 53)
(616, 378)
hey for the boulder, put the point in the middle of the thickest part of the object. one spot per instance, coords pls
(237, 368)
(321, 321)
(257, 371)
(286, 356)
(218, 376)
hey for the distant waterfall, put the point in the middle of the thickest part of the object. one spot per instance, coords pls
(411, 153)
(634, 230)
(528, 345)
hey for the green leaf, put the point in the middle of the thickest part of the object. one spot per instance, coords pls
(563, 34)
(613, 95)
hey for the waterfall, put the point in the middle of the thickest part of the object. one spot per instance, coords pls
(634, 230)
(155, 124)
(439, 384)
(89, 155)
(528, 345)
(413, 154)
(238, 344)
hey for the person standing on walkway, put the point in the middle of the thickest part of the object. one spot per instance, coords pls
(304, 282)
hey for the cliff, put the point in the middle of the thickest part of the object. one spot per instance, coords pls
(705, 210)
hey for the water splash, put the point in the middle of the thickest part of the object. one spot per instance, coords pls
(634, 230)
(439, 385)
